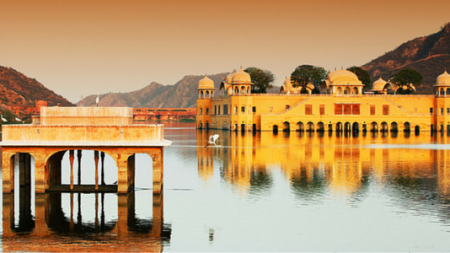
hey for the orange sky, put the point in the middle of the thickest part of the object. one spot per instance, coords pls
(78, 47)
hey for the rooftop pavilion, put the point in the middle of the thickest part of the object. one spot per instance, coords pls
(107, 130)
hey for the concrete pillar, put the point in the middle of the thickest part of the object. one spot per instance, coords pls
(8, 172)
(71, 158)
(39, 175)
(122, 177)
(96, 169)
(79, 166)
(103, 167)
(158, 171)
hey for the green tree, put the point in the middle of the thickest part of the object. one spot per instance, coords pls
(262, 79)
(362, 75)
(407, 77)
(305, 74)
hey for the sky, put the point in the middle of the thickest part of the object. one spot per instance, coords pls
(82, 47)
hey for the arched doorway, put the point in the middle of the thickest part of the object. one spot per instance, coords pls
(310, 127)
(286, 127)
(355, 91)
(394, 127)
(406, 127)
(275, 129)
(320, 127)
(300, 127)
(347, 127)
(384, 127)
(417, 130)
(339, 91)
(355, 127)
(339, 127)
(374, 127)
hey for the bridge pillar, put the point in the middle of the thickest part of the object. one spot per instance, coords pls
(123, 182)
(8, 171)
(79, 166)
(157, 157)
(40, 174)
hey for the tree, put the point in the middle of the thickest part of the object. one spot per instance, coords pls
(305, 74)
(406, 77)
(362, 75)
(262, 79)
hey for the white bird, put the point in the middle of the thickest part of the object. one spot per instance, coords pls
(3, 119)
(17, 119)
(213, 139)
(97, 100)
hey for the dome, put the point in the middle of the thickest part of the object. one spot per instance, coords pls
(378, 85)
(241, 77)
(342, 77)
(229, 78)
(443, 80)
(206, 83)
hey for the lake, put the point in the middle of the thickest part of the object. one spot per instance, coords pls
(253, 192)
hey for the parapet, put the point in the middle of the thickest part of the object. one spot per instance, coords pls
(86, 116)
(84, 126)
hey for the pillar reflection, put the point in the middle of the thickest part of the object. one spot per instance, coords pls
(63, 230)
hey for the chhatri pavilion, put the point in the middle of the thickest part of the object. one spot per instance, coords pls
(344, 107)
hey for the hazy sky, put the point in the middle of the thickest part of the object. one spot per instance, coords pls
(77, 47)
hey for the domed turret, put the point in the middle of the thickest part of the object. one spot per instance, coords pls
(378, 85)
(241, 77)
(443, 80)
(343, 82)
(205, 83)
(205, 88)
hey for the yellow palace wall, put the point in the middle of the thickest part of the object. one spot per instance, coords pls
(264, 111)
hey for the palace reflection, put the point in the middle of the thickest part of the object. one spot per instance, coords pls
(317, 163)
(51, 229)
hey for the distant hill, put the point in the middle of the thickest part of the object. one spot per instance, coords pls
(430, 55)
(183, 94)
(16, 89)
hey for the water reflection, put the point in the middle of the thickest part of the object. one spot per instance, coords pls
(62, 224)
(317, 164)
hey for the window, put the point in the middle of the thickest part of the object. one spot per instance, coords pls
(347, 109)
(338, 109)
(271, 109)
(215, 109)
(242, 109)
(308, 109)
(355, 109)
(254, 109)
(431, 110)
(385, 109)
(448, 111)
(442, 111)
(207, 111)
(225, 109)
(235, 110)
(372, 110)
(218, 110)
(201, 111)
(322, 109)
(288, 106)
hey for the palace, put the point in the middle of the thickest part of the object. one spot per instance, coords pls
(344, 107)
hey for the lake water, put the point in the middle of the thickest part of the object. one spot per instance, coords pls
(253, 192)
